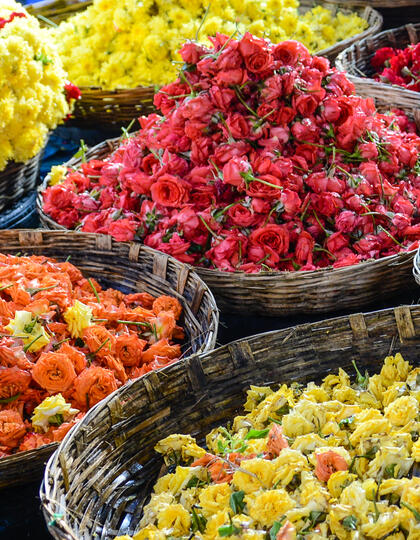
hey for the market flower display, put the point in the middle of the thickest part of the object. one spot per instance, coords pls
(261, 159)
(304, 461)
(125, 43)
(65, 344)
(398, 66)
(33, 93)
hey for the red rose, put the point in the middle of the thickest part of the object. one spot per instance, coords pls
(347, 260)
(138, 181)
(270, 243)
(123, 230)
(272, 88)
(176, 246)
(192, 52)
(58, 197)
(304, 248)
(256, 53)
(227, 254)
(346, 221)
(327, 204)
(242, 216)
(336, 242)
(232, 171)
(305, 104)
(238, 127)
(222, 97)
(169, 191)
(381, 56)
(231, 77)
(225, 152)
(289, 52)
(265, 186)
(291, 202)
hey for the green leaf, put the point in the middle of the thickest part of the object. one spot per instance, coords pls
(229, 530)
(42, 57)
(390, 470)
(283, 410)
(196, 482)
(277, 525)
(56, 420)
(236, 501)
(256, 434)
(346, 421)
(9, 399)
(198, 521)
(412, 509)
(350, 523)
(361, 380)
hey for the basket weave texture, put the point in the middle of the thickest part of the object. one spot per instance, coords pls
(288, 293)
(416, 267)
(104, 470)
(356, 61)
(17, 180)
(380, 4)
(103, 107)
(129, 268)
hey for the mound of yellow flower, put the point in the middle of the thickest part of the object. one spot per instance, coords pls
(32, 79)
(125, 43)
(305, 462)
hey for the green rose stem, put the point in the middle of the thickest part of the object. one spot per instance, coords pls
(29, 345)
(95, 292)
(6, 287)
(10, 399)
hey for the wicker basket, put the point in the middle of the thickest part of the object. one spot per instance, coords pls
(380, 4)
(104, 107)
(127, 267)
(356, 61)
(97, 482)
(416, 267)
(17, 179)
(283, 294)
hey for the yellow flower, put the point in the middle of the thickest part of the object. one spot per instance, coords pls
(266, 507)
(253, 475)
(411, 493)
(339, 481)
(395, 369)
(78, 317)
(57, 175)
(54, 410)
(149, 533)
(289, 463)
(215, 498)
(415, 451)
(386, 523)
(29, 329)
(402, 410)
(175, 520)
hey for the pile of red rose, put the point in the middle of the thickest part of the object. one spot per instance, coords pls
(398, 66)
(262, 159)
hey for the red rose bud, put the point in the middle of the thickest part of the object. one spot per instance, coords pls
(12, 16)
(72, 91)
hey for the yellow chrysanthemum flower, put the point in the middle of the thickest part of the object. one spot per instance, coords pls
(32, 79)
(126, 43)
(30, 330)
(54, 410)
(174, 519)
(57, 174)
(78, 317)
(402, 410)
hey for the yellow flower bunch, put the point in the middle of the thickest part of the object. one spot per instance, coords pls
(325, 466)
(54, 410)
(29, 329)
(32, 97)
(78, 317)
(126, 43)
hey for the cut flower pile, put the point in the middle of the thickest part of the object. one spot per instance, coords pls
(398, 66)
(316, 461)
(65, 344)
(261, 159)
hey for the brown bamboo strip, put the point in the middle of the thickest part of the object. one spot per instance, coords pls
(110, 264)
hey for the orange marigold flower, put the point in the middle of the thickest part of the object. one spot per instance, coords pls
(54, 372)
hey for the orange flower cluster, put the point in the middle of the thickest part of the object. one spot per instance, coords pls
(60, 333)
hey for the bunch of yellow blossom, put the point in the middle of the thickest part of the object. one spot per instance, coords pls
(32, 79)
(126, 43)
(317, 461)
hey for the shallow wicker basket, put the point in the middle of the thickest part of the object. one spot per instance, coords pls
(124, 266)
(282, 294)
(416, 267)
(18, 179)
(356, 61)
(104, 107)
(97, 482)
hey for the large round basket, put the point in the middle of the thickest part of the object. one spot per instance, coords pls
(416, 267)
(97, 482)
(123, 266)
(17, 180)
(103, 107)
(356, 61)
(281, 294)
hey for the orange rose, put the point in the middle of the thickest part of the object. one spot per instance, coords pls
(12, 428)
(143, 299)
(167, 303)
(276, 441)
(77, 358)
(129, 349)
(19, 295)
(54, 372)
(92, 385)
(32, 441)
(58, 433)
(161, 348)
(13, 381)
(99, 340)
(116, 366)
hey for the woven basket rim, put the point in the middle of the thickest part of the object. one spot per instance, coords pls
(110, 143)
